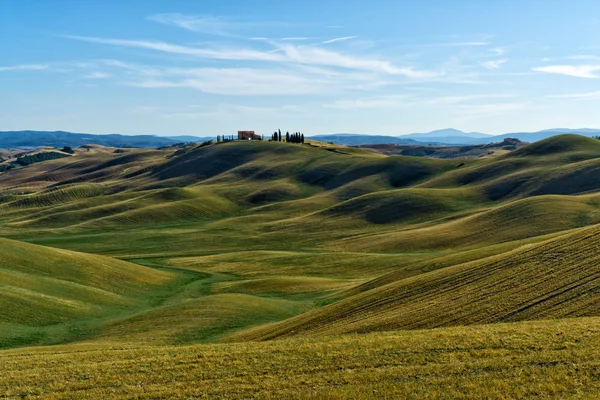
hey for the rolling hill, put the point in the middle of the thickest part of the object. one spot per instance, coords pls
(129, 251)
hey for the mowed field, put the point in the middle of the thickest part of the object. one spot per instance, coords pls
(230, 269)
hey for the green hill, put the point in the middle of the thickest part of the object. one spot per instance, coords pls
(43, 287)
(260, 240)
(554, 279)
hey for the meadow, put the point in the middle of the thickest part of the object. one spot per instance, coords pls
(278, 270)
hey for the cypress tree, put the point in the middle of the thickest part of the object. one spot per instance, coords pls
(287, 136)
(302, 138)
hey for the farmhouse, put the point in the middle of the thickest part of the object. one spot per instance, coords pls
(248, 135)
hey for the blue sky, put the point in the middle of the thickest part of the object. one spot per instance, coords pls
(212, 67)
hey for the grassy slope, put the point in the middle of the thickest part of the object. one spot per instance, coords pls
(553, 279)
(277, 224)
(543, 359)
(42, 285)
(44, 291)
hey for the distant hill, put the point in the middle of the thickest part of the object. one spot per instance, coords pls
(444, 133)
(12, 139)
(349, 139)
(448, 137)
(540, 135)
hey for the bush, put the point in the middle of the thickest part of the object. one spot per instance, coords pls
(39, 157)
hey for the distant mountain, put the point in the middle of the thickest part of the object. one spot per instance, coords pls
(350, 139)
(12, 139)
(449, 137)
(448, 132)
(539, 135)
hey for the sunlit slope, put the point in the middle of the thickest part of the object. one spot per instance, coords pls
(555, 279)
(405, 205)
(564, 164)
(541, 359)
(43, 286)
(201, 320)
(104, 188)
(533, 216)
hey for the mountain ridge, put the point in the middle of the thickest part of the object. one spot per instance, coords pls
(31, 138)
(457, 137)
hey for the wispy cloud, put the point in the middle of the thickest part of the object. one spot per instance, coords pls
(286, 53)
(494, 64)
(577, 96)
(583, 57)
(339, 39)
(319, 56)
(24, 67)
(579, 71)
(461, 44)
(204, 24)
(97, 75)
(294, 39)
(225, 54)
(236, 81)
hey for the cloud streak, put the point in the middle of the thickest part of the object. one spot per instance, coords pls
(97, 75)
(339, 39)
(208, 25)
(238, 81)
(494, 64)
(577, 96)
(286, 53)
(578, 71)
(24, 67)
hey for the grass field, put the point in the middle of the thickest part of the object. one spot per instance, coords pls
(545, 359)
(341, 254)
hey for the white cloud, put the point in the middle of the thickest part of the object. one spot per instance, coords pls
(24, 67)
(209, 25)
(237, 81)
(319, 56)
(286, 53)
(583, 57)
(230, 54)
(339, 39)
(97, 75)
(460, 44)
(294, 39)
(579, 71)
(577, 96)
(494, 64)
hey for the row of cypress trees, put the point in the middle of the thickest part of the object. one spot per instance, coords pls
(295, 137)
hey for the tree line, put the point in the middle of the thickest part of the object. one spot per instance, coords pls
(295, 137)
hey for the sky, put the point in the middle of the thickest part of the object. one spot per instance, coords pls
(381, 67)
